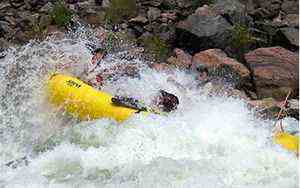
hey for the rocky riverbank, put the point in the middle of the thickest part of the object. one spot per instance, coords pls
(251, 44)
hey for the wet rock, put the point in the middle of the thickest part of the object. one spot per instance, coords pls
(47, 8)
(267, 108)
(169, 16)
(45, 20)
(269, 32)
(97, 18)
(98, 2)
(55, 31)
(34, 4)
(183, 4)
(138, 20)
(291, 35)
(290, 6)
(161, 67)
(5, 30)
(203, 30)
(275, 71)
(153, 13)
(124, 26)
(219, 89)
(4, 5)
(11, 20)
(106, 3)
(16, 3)
(90, 13)
(138, 30)
(21, 37)
(4, 44)
(291, 20)
(27, 21)
(166, 32)
(72, 1)
(285, 31)
(219, 64)
(261, 9)
(264, 103)
(154, 3)
(293, 108)
(181, 59)
(232, 10)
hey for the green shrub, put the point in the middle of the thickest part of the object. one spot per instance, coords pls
(60, 14)
(241, 37)
(121, 9)
(157, 47)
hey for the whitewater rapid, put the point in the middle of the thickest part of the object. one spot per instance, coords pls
(210, 141)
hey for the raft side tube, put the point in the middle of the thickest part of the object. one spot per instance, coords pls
(83, 101)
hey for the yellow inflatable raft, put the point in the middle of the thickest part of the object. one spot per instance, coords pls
(83, 101)
(288, 141)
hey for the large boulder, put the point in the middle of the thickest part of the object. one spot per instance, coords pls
(291, 20)
(182, 59)
(219, 89)
(275, 71)
(232, 10)
(287, 34)
(5, 29)
(219, 64)
(90, 13)
(203, 30)
(290, 6)
(281, 31)
(262, 9)
(161, 67)
(291, 35)
(153, 13)
(269, 108)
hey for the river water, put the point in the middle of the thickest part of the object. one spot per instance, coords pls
(210, 141)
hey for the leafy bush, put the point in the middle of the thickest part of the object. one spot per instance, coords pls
(241, 36)
(60, 14)
(157, 47)
(121, 9)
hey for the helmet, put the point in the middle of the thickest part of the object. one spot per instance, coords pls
(167, 101)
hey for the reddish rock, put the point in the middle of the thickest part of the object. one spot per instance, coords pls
(275, 71)
(216, 61)
(267, 108)
(291, 20)
(55, 30)
(169, 15)
(270, 108)
(264, 103)
(182, 59)
(219, 89)
(139, 19)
